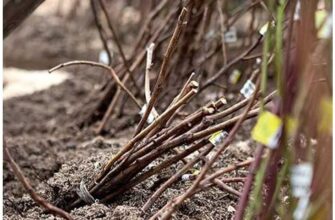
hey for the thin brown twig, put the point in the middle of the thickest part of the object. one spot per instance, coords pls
(230, 64)
(241, 11)
(101, 31)
(189, 85)
(183, 90)
(25, 182)
(233, 179)
(148, 21)
(222, 26)
(248, 184)
(163, 71)
(224, 170)
(182, 93)
(136, 63)
(95, 64)
(109, 111)
(238, 106)
(224, 187)
(117, 42)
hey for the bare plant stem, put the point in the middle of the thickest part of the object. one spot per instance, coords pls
(163, 71)
(186, 88)
(247, 186)
(148, 21)
(117, 42)
(95, 64)
(109, 110)
(230, 168)
(187, 138)
(136, 63)
(230, 64)
(101, 31)
(225, 187)
(222, 26)
(25, 182)
(240, 11)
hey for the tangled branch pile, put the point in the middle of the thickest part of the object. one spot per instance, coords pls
(194, 49)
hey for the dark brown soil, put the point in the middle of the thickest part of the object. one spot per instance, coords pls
(56, 155)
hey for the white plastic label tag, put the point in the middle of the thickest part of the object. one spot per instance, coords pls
(187, 177)
(230, 36)
(150, 51)
(103, 57)
(326, 30)
(297, 11)
(150, 118)
(300, 211)
(265, 27)
(218, 137)
(248, 89)
(301, 179)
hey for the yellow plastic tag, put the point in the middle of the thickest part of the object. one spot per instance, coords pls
(291, 125)
(320, 16)
(195, 172)
(216, 134)
(267, 129)
(326, 110)
(323, 22)
(234, 76)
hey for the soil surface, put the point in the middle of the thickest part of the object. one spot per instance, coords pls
(56, 155)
